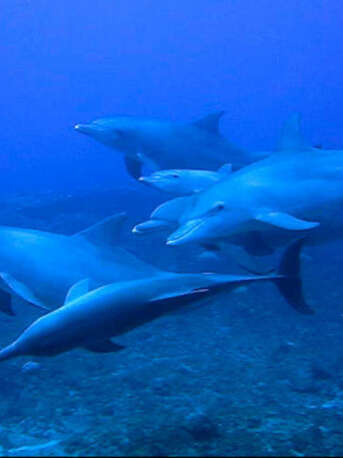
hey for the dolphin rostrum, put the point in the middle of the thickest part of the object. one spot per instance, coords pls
(91, 319)
(167, 145)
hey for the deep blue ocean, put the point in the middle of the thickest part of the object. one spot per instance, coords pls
(243, 375)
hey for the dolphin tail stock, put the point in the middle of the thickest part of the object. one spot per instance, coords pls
(288, 279)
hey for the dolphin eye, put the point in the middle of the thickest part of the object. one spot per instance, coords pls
(217, 207)
(220, 206)
(175, 175)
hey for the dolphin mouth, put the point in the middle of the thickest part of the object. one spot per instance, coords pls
(147, 180)
(186, 233)
(150, 180)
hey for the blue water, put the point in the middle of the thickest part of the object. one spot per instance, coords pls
(244, 377)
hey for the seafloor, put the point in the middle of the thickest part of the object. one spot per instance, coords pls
(245, 375)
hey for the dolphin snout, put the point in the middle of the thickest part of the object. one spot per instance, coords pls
(87, 129)
(151, 181)
(151, 225)
(186, 233)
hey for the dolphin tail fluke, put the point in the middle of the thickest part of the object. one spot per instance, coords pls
(289, 280)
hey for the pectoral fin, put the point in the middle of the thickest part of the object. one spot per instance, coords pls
(21, 290)
(285, 221)
(104, 346)
(133, 166)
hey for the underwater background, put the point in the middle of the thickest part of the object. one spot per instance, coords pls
(245, 375)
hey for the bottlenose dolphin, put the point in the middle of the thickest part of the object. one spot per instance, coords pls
(298, 188)
(182, 182)
(172, 211)
(167, 145)
(40, 266)
(165, 217)
(90, 319)
(168, 216)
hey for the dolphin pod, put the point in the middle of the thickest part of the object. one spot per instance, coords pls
(167, 145)
(297, 188)
(91, 319)
(93, 290)
(295, 191)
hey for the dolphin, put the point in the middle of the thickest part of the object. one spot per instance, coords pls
(169, 215)
(89, 319)
(182, 182)
(40, 266)
(187, 182)
(298, 188)
(165, 217)
(164, 145)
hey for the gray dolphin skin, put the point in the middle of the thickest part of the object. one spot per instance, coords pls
(90, 319)
(40, 266)
(182, 182)
(167, 145)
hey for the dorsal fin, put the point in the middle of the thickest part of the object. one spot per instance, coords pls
(77, 290)
(210, 122)
(225, 169)
(292, 138)
(105, 232)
